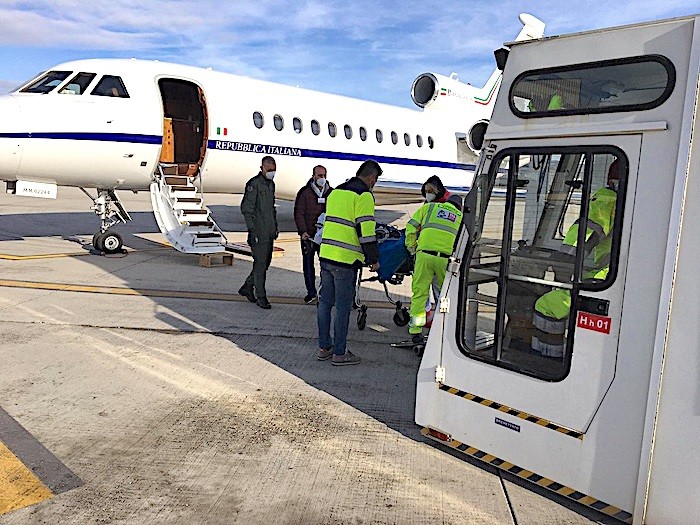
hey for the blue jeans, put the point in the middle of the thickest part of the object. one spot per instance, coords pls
(337, 289)
(308, 252)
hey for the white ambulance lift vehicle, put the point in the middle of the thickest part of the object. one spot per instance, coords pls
(602, 406)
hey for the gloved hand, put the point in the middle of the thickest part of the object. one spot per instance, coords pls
(411, 250)
(252, 238)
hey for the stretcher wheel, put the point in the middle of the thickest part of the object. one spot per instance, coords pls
(362, 317)
(401, 317)
(418, 350)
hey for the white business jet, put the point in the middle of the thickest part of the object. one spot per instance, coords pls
(180, 132)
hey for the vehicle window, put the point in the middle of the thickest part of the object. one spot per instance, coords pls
(379, 135)
(297, 124)
(394, 138)
(315, 127)
(348, 131)
(258, 120)
(332, 130)
(407, 139)
(631, 84)
(110, 86)
(77, 84)
(47, 83)
(363, 134)
(419, 141)
(531, 256)
(278, 122)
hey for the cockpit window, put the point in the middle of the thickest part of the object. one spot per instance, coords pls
(77, 84)
(110, 86)
(629, 84)
(47, 82)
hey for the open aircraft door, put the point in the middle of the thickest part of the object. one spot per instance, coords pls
(526, 348)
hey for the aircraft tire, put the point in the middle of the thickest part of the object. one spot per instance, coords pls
(97, 242)
(111, 242)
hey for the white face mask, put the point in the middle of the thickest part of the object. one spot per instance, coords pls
(270, 175)
(429, 197)
(321, 183)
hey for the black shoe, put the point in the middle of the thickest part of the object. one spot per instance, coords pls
(264, 304)
(247, 293)
(309, 299)
(417, 339)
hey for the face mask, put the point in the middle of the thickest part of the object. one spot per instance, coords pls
(321, 183)
(270, 175)
(429, 197)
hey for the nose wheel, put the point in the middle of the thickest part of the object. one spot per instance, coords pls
(107, 242)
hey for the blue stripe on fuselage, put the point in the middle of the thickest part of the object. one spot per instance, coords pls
(269, 149)
(244, 147)
(101, 137)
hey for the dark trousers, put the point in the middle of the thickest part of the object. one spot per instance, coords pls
(308, 253)
(262, 256)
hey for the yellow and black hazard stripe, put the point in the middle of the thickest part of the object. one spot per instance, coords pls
(549, 484)
(512, 412)
(29, 473)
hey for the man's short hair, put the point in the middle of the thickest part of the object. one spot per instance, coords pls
(319, 166)
(267, 159)
(369, 168)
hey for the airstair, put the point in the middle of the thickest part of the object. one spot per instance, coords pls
(178, 206)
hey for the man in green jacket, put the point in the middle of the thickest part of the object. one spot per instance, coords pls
(258, 208)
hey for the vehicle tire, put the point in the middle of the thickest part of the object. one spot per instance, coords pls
(362, 317)
(401, 317)
(111, 242)
(97, 242)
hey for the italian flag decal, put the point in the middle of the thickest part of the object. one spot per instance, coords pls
(222, 131)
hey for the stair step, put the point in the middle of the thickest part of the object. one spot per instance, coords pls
(194, 200)
(208, 224)
(207, 235)
(182, 188)
(195, 212)
(176, 181)
(170, 169)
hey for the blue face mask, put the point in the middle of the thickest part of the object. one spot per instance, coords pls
(321, 182)
(270, 175)
(430, 197)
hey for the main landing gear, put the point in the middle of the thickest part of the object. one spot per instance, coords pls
(110, 210)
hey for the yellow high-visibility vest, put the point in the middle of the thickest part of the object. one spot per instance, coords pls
(435, 225)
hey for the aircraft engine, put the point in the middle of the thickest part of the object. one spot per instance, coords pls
(475, 137)
(429, 89)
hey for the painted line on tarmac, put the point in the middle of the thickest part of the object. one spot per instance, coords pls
(144, 292)
(29, 473)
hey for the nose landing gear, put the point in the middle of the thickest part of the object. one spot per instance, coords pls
(111, 211)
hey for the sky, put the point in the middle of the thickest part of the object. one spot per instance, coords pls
(371, 50)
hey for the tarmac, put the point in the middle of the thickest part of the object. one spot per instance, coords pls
(141, 388)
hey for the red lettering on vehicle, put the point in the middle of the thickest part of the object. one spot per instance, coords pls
(594, 322)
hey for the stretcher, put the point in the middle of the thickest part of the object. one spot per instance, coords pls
(395, 263)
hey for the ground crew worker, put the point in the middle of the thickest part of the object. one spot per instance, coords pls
(258, 208)
(552, 309)
(349, 241)
(430, 235)
(308, 206)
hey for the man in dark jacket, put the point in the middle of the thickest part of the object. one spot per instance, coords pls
(309, 204)
(258, 208)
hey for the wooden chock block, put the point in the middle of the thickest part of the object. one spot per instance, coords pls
(208, 260)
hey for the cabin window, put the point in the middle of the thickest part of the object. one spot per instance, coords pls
(110, 86)
(419, 141)
(529, 255)
(431, 142)
(332, 130)
(379, 135)
(630, 84)
(394, 138)
(278, 122)
(315, 127)
(297, 124)
(47, 82)
(407, 139)
(77, 84)
(258, 120)
(363, 134)
(348, 131)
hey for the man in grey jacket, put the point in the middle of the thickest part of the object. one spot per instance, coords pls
(258, 208)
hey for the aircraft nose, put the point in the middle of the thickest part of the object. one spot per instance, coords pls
(10, 137)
